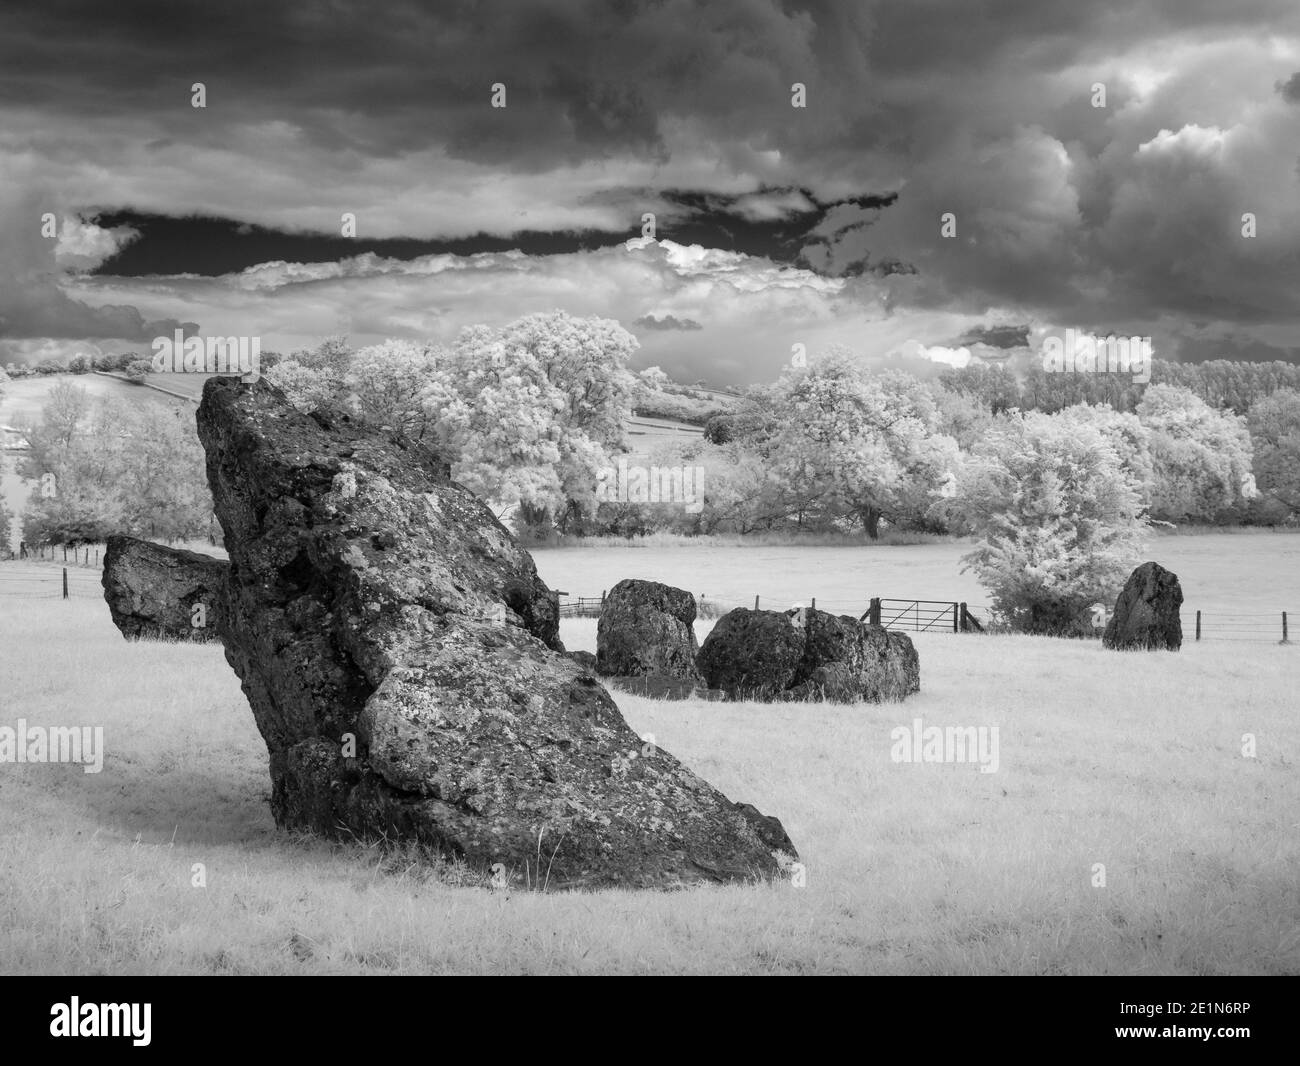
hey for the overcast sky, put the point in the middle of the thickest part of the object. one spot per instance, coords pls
(777, 225)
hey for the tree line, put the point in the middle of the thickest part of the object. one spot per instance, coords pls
(1058, 476)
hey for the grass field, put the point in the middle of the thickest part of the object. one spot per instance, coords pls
(1131, 761)
(1256, 572)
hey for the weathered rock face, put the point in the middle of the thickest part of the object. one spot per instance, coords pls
(153, 591)
(1146, 613)
(846, 659)
(808, 655)
(647, 628)
(584, 659)
(751, 654)
(371, 597)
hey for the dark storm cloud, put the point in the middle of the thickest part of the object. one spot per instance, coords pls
(216, 246)
(915, 109)
(582, 79)
(786, 225)
(995, 337)
(666, 322)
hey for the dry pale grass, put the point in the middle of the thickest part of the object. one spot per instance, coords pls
(1131, 761)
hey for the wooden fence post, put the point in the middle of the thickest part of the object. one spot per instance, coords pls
(1284, 640)
(756, 603)
(955, 609)
(874, 614)
(65, 582)
(814, 603)
(1198, 625)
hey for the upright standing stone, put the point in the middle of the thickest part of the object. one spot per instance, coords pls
(647, 628)
(1146, 613)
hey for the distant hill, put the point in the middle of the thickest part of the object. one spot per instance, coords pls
(683, 403)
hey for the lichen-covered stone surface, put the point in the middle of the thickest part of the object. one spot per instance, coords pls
(373, 598)
(808, 655)
(152, 591)
(647, 628)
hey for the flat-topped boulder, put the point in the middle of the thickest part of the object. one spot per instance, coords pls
(807, 654)
(403, 664)
(159, 593)
(645, 628)
(1147, 615)
(751, 654)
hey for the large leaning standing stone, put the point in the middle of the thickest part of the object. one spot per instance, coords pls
(152, 591)
(647, 628)
(1146, 613)
(373, 598)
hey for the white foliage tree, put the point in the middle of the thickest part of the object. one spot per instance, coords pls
(1202, 458)
(397, 384)
(867, 447)
(1060, 521)
(541, 411)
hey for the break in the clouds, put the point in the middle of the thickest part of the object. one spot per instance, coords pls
(1134, 216)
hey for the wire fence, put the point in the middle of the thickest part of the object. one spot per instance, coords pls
(46, 582)
(1249, 627)
(917, 615)
(949, 616)
(47, 578)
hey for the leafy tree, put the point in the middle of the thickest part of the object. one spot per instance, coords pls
(541, 408)
(962, 416)
(586, 360)
(6, 519)
(314, 379)
(1201, 457)
(1127, 435)
(653, 379)
(138, 370)
(994, 386)
(397, 384)
(1059, 520)
(866, 447)
(1274, 424)
(118, 467)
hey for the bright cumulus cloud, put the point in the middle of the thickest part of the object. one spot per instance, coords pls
(937, 353)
